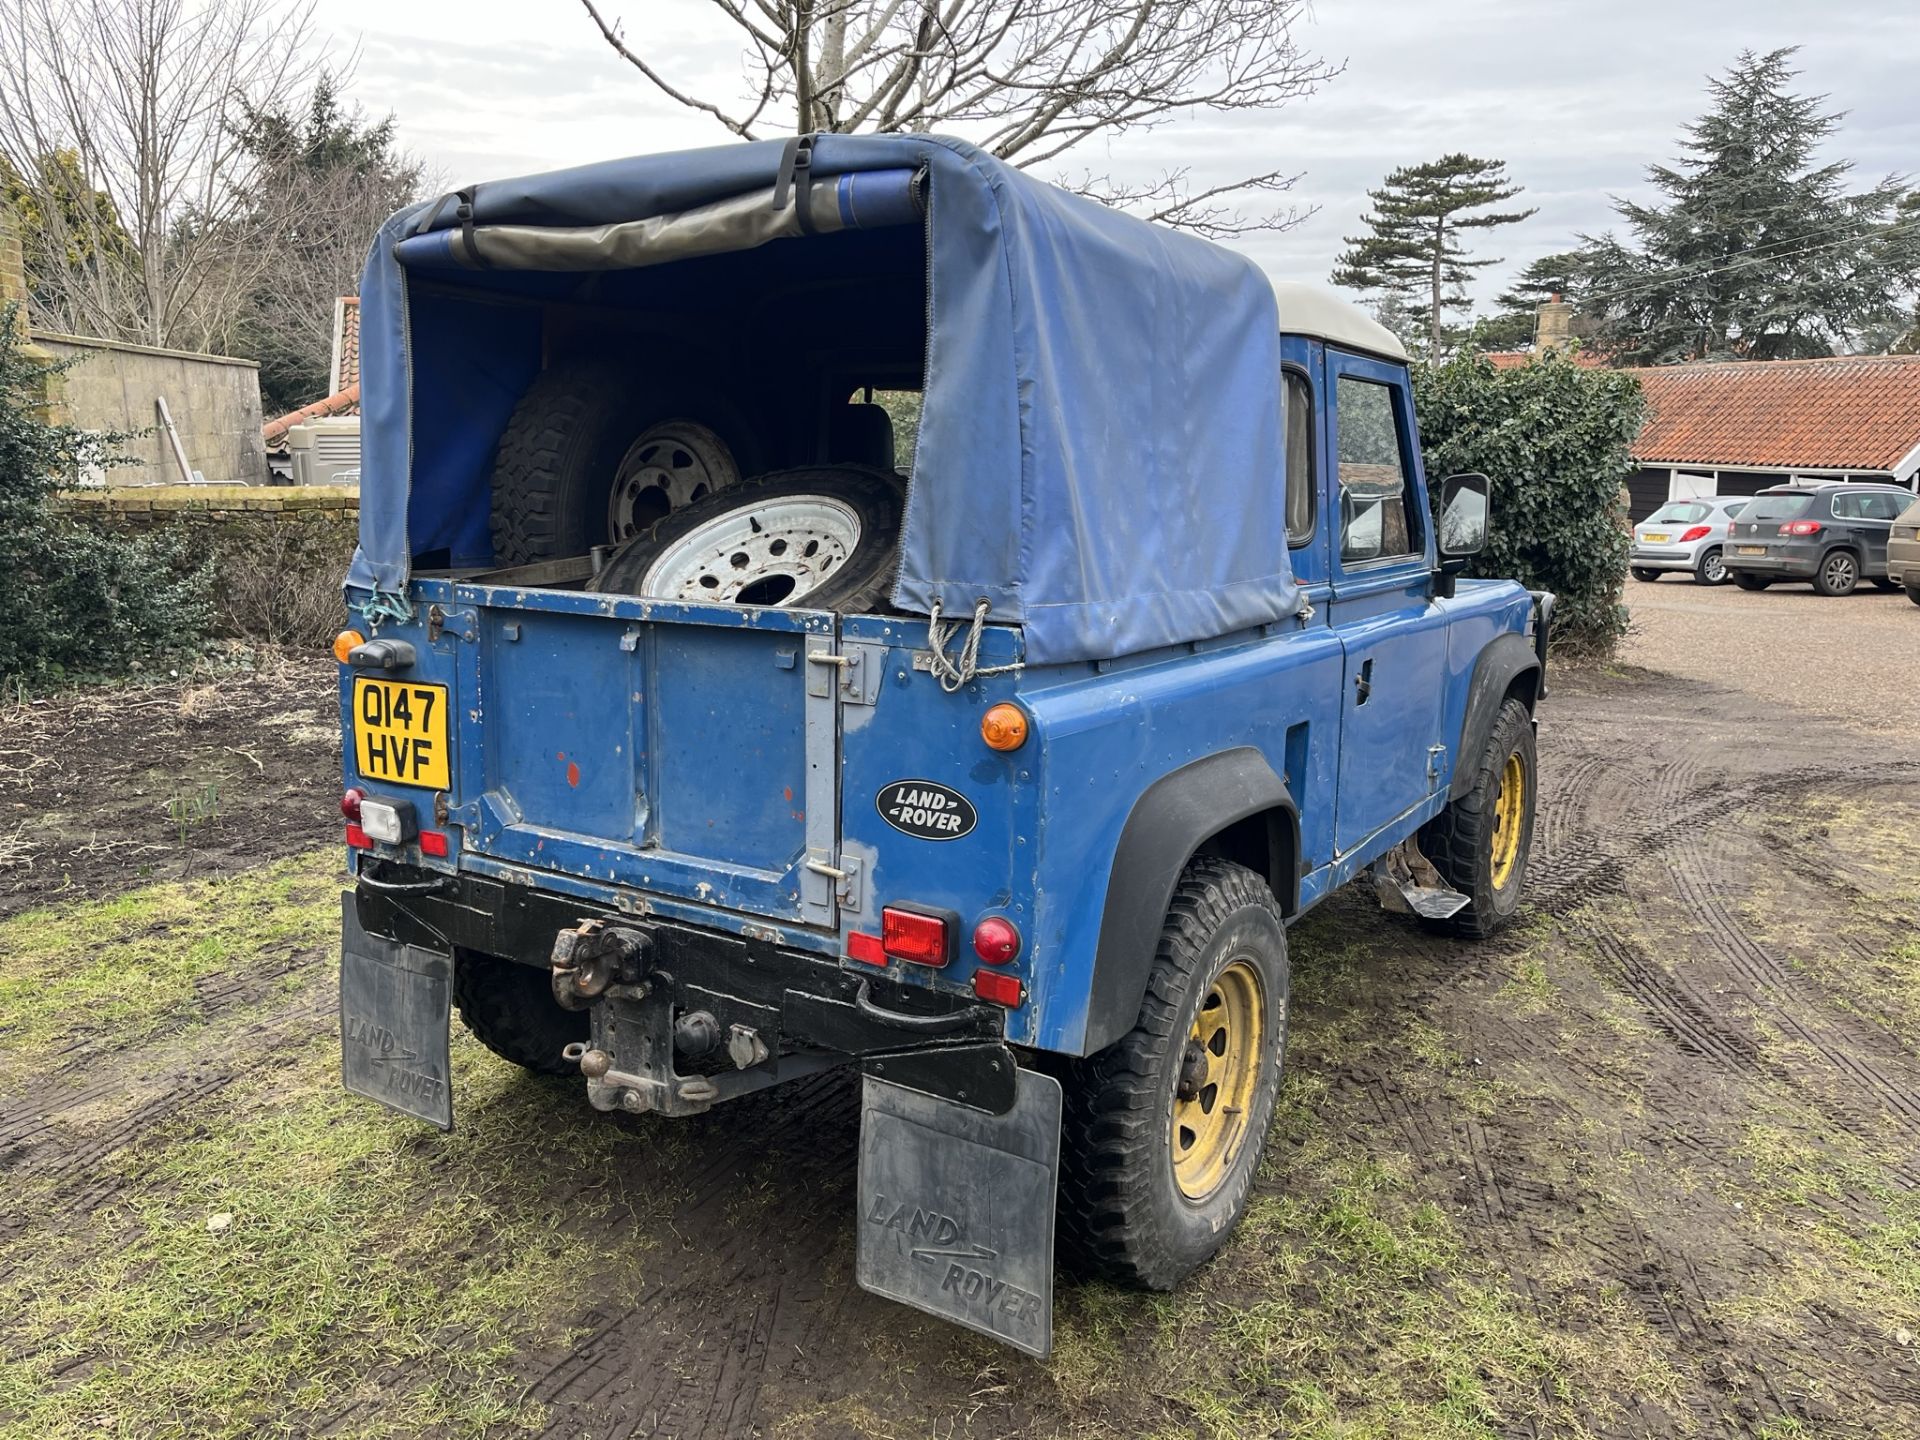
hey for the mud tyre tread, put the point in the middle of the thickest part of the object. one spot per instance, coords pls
(1121, 1215)
(1459, 840)
(510, 1009)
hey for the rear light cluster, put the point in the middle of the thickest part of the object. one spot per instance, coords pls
(926, 937)
(373, 822)
(1698, 532)
(1801, 527)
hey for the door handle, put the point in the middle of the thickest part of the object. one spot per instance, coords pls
(1363, 683)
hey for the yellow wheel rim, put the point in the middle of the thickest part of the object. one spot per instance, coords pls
(1509, 819)
(1219, 1072)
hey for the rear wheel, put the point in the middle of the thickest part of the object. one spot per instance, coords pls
(1838, 574)
(511, 1010)
(824, 537)
(1481, 842)
(1642, 573)
(1881, 582)
(1747, 580)
(1913, 593)
(1712, 569)
(1163, 1129)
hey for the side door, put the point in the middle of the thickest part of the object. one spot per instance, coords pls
(1392, 632)
(1874, 514)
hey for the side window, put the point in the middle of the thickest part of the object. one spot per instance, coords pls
(1851, 507)
(1376, 512)
(1879, 507)
(1298, 414)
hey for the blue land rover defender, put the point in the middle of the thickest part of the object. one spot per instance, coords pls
(846, 603)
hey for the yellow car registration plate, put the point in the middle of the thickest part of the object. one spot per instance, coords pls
(1749, 549)
(400, 732)
(1652, 539)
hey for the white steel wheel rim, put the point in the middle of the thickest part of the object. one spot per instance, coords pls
(775, 553)
(671, 465)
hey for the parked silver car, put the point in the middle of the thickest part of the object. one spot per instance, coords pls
(1685, 535)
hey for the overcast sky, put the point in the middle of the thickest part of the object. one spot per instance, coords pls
(1577, 96)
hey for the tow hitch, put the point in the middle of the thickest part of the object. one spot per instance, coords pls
(629, 1062)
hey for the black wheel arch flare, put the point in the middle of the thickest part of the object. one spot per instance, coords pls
(1171, 822)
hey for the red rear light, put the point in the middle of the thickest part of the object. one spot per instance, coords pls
(866, 949)
(357, 838)
(995, 940)
(915, 936)
(1801, 527)
(350, 805)
(1698, 532)
(432, 842)
(997, 986)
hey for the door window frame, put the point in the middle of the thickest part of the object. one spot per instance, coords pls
(1393, 379)
(1290, 372)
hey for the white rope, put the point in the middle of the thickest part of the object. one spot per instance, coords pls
(953, 675)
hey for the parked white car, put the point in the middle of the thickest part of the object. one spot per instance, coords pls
(1686, 535)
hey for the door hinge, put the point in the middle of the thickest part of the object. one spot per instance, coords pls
(1436, 763)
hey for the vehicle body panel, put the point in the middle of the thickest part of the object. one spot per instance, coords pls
(1903, 548)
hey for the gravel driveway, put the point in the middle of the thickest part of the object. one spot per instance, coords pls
(1850, 658)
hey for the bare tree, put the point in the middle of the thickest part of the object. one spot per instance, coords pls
(134, 104)
(1028, 80)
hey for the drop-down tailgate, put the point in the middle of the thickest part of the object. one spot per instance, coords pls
(689, 751)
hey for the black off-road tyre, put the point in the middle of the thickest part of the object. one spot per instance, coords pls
(555, 465)
(1645, 575)
(1913, 593)
(1839, 574)
(1122, 1211)
(862, 582)
(1461, 840)
(511, 1010)
(1747, 580)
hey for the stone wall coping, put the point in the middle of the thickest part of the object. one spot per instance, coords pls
(93, 342)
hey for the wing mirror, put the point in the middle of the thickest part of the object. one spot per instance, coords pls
(1464, 515)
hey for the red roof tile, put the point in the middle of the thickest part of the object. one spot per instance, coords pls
(1512, 359)
(346, 402)
(1857, 412)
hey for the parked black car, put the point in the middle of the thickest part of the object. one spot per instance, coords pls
(1833, 534)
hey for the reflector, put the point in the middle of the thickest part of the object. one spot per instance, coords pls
(997, 986)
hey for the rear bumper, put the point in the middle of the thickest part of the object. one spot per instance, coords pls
(794, 1000)
(1903, 562)
(1791, 563)
(1665, 557)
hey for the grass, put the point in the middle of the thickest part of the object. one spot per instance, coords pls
(286, 1254)
(122, 970)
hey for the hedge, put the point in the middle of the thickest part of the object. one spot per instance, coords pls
(1553, 438)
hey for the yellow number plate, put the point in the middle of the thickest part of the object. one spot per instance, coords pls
(400, 732)
(1749, 549)
(1653, 539)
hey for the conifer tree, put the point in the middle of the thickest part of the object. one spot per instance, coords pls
(1413, 249)
(1758, 250)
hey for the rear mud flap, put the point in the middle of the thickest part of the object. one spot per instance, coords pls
(956, 1208)
(395, 1012)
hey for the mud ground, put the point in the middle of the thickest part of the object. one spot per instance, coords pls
(1647, 1165)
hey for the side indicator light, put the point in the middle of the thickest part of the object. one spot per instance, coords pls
(866, 949)
(358, 838)
(1004, 727)
(995, 940)
(915, 936)
(433, 843)
(345, 643)
(997, 987)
